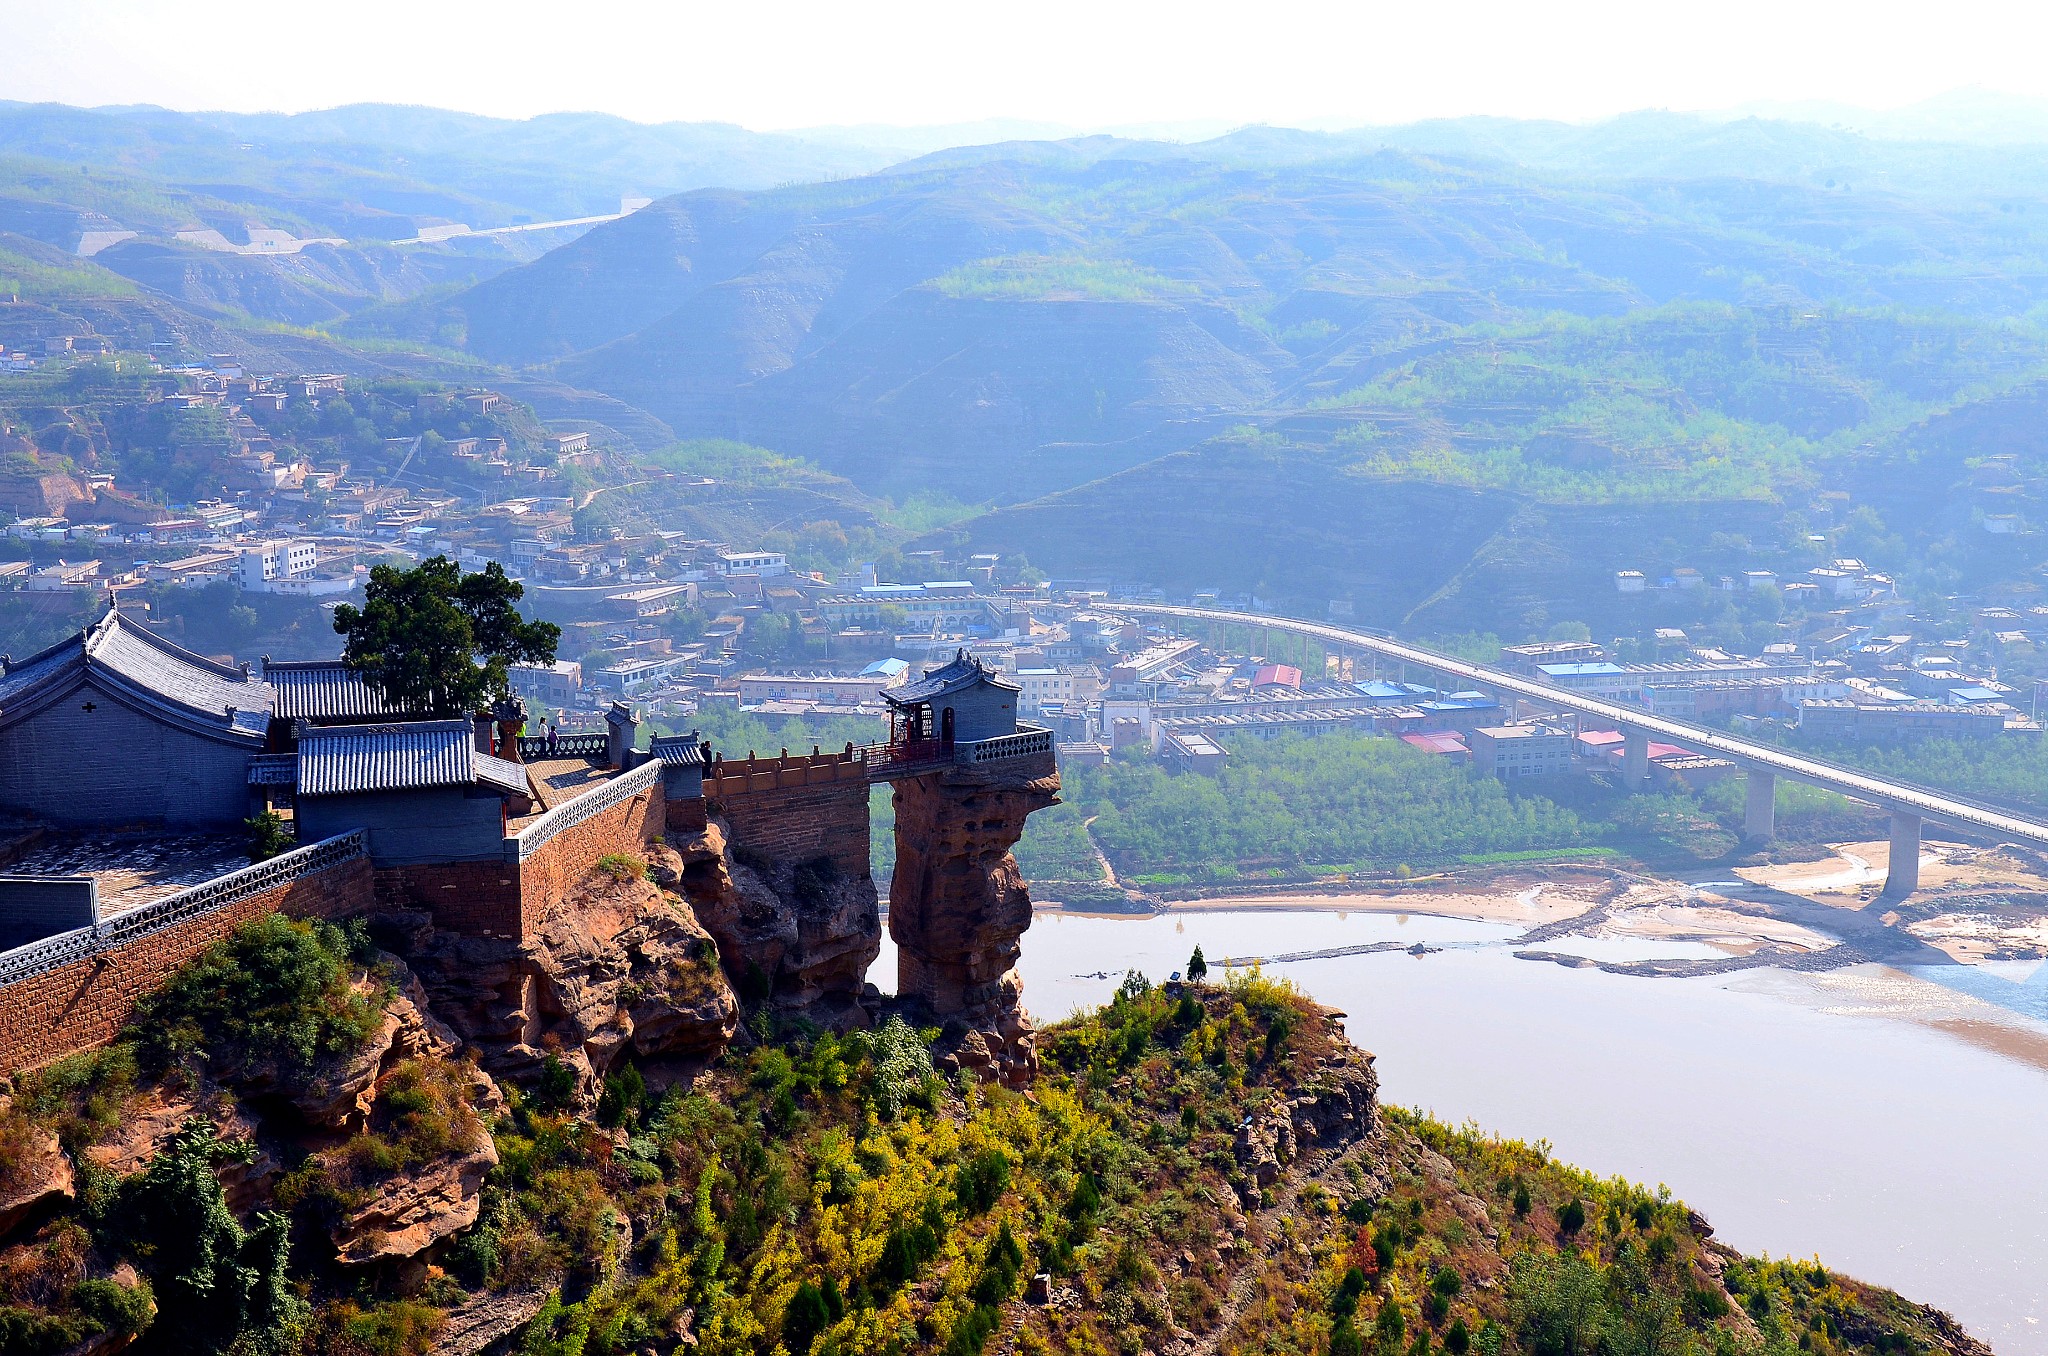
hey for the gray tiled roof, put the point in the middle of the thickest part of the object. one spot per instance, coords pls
(129, 658)
(963, 672)
(679, 750)
(325, 689)
(342, 759)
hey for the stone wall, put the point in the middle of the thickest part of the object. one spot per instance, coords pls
(796, 809)
(48, 1016)
(556, 869)
(479, 898)
(685, 815)
(811, 933)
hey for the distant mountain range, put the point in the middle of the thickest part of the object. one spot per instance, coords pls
(1535, 332)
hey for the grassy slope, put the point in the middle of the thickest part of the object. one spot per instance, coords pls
(824, 1194)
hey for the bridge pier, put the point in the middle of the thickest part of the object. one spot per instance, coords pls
(1635, 760)
(1760, 813)
(1902, 874)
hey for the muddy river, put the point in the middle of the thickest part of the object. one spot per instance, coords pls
(1888, 1118)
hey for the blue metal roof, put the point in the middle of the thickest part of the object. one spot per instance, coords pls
(345, 759)
(1580, 670)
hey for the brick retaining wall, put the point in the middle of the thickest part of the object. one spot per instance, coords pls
(479, 898)
(559, 865)
(794, 820)
(685, 815)
(84, 1004)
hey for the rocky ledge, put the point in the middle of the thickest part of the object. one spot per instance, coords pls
(619, 966)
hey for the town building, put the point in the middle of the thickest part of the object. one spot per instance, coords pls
(1509, 752)
(1186, 750)
(764, 563)
(263, 564)
(1528, 658)
(557, 684)
(1886, 723)
(1043, 687)
(1441, 744)
(833, 689)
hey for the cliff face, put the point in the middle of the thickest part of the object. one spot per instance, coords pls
(801, 933)
(620, 966)
(958, 906)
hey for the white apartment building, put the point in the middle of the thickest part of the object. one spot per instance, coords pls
(1040, 688)
(267, 562)
(763, 563)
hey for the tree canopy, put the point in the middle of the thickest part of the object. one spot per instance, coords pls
(436, 640)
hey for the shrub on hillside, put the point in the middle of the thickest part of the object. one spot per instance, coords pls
(278, 989)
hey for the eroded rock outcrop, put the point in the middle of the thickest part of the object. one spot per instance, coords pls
(337, 1094)
(618, 966)
(406, 1212)
(958, 906)
(36, 1172)
(1332, 1111)
(805, 931)
(160, 1110)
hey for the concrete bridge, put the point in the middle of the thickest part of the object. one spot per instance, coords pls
(1762, 764)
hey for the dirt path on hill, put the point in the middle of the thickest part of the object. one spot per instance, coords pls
(1108, 871)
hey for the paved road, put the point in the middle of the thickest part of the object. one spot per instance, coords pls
(1891, 793)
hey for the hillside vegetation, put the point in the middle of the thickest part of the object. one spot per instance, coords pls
(1453, 375)
(1194, 1170)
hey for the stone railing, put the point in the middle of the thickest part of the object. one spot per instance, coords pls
(568, 746)
(54, 953)
(1027, 740)
(568, 815)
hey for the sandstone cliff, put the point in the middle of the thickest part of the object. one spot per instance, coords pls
(958, 906)
(801, 933)
(620, 966)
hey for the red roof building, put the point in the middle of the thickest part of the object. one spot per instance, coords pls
(1446, 743)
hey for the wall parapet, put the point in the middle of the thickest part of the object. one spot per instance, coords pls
(532, 747)
(68, 948)
(625, 786)
(731, 777)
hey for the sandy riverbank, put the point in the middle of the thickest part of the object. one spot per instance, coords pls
(1974, 905)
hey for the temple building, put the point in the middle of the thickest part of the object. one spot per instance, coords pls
(961, 702)
(117, 726)
(422, 789)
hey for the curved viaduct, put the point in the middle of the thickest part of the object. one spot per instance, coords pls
(1762, 764)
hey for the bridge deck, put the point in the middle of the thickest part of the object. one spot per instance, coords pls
(1886, 791)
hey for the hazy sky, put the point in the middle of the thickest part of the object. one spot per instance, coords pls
(1085, 63)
